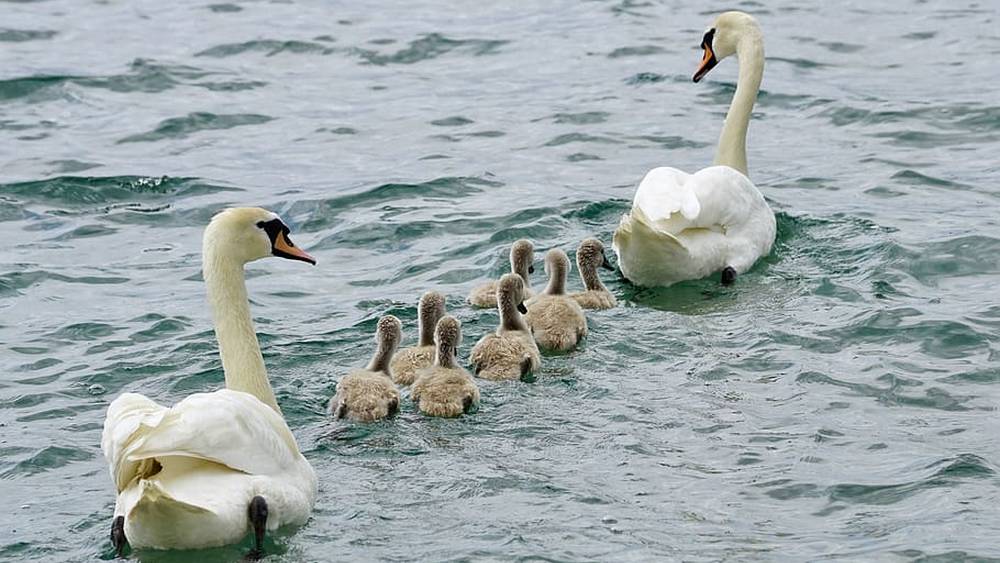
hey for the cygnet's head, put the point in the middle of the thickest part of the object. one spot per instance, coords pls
(448, 334)
(246, 234)
(510, 289)
(723, 38)
(388, 333)
(557, 265)
(590, 256)
(431, 306)
(430, 309)
(522, 256)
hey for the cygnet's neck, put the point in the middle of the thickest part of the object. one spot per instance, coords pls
(383, 355)
(591, 280)
(429, 313)
(445, 355)
(510, 317)
(558, 272)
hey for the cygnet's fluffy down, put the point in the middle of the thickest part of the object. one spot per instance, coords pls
(445, 389)
(367, 395)
(556, 319)
(408, 361)
(589, 257)
(510, 352)
(522, 254)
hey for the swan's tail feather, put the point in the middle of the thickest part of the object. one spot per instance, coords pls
(646, 253)
(154, 502)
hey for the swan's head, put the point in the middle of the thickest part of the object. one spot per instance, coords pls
(448, 334)
(522, 255)
(722, 39)
(510, 289)
(251, 233)
(590, 256)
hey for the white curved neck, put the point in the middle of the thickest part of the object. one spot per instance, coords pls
(241, 358)
(732, 150)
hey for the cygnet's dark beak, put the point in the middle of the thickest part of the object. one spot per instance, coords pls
(531, 268)
(520, 307)
(607, 265)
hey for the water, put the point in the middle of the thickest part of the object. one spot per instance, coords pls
(839, 402)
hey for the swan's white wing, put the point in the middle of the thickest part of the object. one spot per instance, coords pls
(714, 198)
(667, 200)
(230, 428)
(728, 198)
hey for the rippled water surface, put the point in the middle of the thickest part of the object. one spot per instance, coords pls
(839, 402)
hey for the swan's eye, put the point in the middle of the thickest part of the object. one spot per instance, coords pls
(706, 42)
(260, 224)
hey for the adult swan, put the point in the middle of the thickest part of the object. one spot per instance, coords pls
(215, 466)
(688, 226)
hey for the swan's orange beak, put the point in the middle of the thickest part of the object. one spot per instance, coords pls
(284, 248)
(708, 62)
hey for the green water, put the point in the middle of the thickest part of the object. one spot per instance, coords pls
(838, 403)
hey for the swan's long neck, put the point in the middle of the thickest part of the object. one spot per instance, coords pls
(732, 149)
(241, 358)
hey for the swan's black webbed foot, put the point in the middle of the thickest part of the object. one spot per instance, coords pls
(258, 519)
(118, 536)
(728, 275)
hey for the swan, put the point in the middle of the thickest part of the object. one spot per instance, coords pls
(445, 388)
(510, 352)
(556, 319)
(522, 254)
(408, 361)
(688, 226)
(589, 257)
(215, 466)
(367, 395)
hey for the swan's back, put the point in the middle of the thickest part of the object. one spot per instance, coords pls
(687, 226)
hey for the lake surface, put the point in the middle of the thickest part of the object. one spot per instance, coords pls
(839, 402)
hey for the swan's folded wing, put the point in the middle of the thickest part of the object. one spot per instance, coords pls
(667, 200)
(231, 428)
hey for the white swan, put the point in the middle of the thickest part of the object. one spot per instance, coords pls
(215, 466)
(687, 226)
